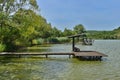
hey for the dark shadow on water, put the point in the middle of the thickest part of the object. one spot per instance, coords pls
(6, 59)
(89, 59)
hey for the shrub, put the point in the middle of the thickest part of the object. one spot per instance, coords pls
(2, 47)
(63, 39)
(38, 41)
(53, 40)
(58, 40)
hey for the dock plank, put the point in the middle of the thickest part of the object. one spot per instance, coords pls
(81, 53)
(38, 53)
(89, 53)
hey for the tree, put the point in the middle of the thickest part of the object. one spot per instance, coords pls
(19, 22)
(55, 32)
(117, 32)
(11, 6)
(31, 26)
(78, 29)
(67, 32)
(8, 31)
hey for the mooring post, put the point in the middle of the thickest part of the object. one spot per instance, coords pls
(69, 56)
(46, 56)
(19, 56)
(73, 56)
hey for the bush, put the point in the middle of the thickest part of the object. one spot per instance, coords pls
(53, 40)
(38, 41)
(63, 39)
(58, 40)
(2, 47)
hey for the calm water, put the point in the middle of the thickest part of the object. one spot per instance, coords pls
(63, 68)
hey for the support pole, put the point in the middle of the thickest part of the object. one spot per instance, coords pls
(19, 56)
(73, 43)
(69, 56)
(46, 56)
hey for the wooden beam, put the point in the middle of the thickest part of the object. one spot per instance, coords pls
(78, 35)
(73, 44)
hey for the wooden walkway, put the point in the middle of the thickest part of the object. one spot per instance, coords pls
(46, 54)
(90, 54)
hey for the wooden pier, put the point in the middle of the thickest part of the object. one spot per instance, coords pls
(89, 55)
(46, 54)
(81, 54)
(76, 52)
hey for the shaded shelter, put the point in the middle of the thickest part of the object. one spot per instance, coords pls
(73, 40)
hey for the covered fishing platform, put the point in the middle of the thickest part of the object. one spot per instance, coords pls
(88, 55)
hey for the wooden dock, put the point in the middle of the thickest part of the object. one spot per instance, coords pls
(81, 54)
(46, 54)
(77, 53)
(89, 53)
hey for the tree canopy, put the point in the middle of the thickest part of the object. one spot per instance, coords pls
(20, 24)
(11, 6)
(79, 29)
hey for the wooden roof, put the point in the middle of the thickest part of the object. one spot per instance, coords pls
(78, 35)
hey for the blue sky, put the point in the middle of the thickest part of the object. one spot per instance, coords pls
(93, 14)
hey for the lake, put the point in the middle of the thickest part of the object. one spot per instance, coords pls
(63, 68)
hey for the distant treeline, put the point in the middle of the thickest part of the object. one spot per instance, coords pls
(114, 34)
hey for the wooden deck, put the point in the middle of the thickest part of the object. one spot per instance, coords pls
(46, 54)
(89, 53)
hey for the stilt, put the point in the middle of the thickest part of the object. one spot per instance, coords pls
(73, 44)
(46, 56)
(69, 56)
(19, 56)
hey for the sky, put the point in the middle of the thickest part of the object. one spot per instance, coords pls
(93, 14)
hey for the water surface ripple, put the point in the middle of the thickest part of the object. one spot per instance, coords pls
(63, 68)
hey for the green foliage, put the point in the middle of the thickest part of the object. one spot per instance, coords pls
(53, 40)
(8, 31)
(63, 39)
(22, 27)
(2, 47)
(79, 29)
(38, 41)
(117, 32)
(67, 32)
(55, 32)
(58, 40)
(101, 34)
(10, 6)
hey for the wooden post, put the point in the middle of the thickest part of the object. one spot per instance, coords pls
(69, 56)
(73, 43)
(73, 56)
(19, 56)
(46, 56)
